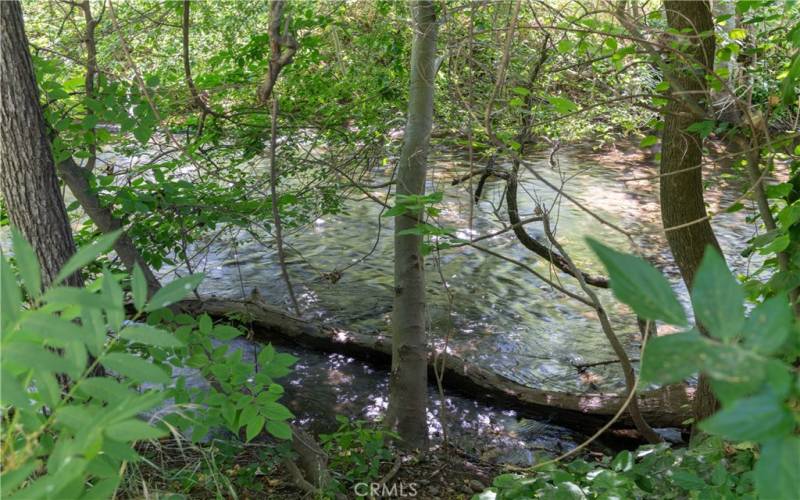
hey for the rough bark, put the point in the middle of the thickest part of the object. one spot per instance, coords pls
(408, 386)
(28, 175)
(667, 407)
(683, 210)
(75, 177)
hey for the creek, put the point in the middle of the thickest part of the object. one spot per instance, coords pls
(490, 311)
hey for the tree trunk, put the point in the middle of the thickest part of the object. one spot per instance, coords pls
(28, 175)
(683, 210)
(408, 383)
(75, 177)
(582, 411)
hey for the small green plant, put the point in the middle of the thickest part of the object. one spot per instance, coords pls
(422, 206)
(356, 451)
(240, 394)
(708, 470)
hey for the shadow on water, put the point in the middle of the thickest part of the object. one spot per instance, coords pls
(502, 316)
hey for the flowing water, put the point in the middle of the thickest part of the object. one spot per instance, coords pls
(487, 310)
(492, 310)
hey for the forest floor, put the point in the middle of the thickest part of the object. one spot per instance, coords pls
(172, 471)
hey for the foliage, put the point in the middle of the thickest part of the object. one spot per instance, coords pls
(72, 364)
(239, 396)
(66, 429)
(748, 360)
(356, 451)
(708, 470)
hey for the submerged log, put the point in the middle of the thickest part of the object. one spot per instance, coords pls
(666, 407)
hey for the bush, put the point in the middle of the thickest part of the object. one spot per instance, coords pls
(77, 377)
(749, 360)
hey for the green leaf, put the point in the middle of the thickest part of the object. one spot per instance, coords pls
(10, 296)
(254, 426)
(146, 334)
(639, 285)
(205, 324)
(27, 355)
(174, 291)
(133, 430)
(672, 358)
(703, 128)
(69, 296)
(266, 355)
(87, 254)
(112, 290)
(135, 368)
(738, 34)
(688, 480)
(565, 45)
(717, 297)
(104, 388)
(280, 430)
(10, 479)
(142, 133)
(768, 326)
(623, 462)
(275, 411)
(568, 491)
(756, 418)
(138, 288)
(12, 392)
(562, 104)
(226, 332)
(779, 244)
(284, 359)
(777, 472)
(27, 263)
(648, 141)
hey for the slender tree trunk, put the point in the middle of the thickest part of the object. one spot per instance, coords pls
(75, 177)
(28, 175)
(408, 383)
(683, 210)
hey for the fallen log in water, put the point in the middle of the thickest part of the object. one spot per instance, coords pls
(665, 407)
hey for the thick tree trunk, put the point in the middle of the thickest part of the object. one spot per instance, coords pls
(408, 386)
(585, 412)
(28, 175)
(683, 210)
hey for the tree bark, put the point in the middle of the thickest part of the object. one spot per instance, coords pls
(408, 383)
(683, 210)
(28, 175)
(75, 177)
